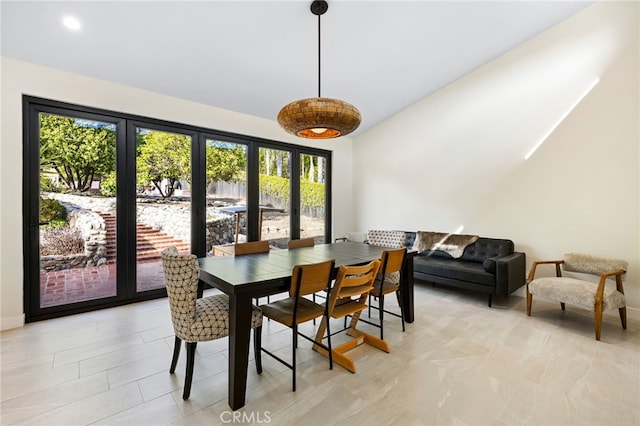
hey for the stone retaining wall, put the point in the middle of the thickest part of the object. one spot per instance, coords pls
(171, 216)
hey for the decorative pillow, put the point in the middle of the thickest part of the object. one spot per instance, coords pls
(490, 264)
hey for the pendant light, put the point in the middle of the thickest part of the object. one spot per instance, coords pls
(319, 118)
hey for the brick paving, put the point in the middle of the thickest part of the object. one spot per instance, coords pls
(77, 285)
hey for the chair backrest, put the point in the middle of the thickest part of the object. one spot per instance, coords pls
(311, 278)
(302, 242)
(252, 247)
(391, 263)
(181, 274)
(392, 239)
(594, 265)
(354, 281)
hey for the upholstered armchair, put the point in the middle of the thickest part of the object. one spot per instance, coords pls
(596, 297)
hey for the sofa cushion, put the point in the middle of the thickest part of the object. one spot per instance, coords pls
(454, 269)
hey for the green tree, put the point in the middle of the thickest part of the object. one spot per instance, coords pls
(225, 161)
(163, 155)
(79, 151)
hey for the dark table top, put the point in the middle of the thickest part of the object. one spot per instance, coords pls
(266, 273)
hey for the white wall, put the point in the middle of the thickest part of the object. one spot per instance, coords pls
(20, 78)
(457, 157)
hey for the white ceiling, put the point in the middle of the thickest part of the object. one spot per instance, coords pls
(256, 56)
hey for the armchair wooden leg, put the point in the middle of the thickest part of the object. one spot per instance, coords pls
(529, 302)
(257, 344)
(191, 357)
(623, 317)
(176, 354)
(598, 319)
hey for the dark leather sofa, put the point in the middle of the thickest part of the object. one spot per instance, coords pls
(489, 265)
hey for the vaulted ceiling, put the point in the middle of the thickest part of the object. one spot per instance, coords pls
(254, 57)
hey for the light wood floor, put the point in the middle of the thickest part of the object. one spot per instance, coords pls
(459, 363)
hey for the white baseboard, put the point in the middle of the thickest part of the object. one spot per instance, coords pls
(7, 323)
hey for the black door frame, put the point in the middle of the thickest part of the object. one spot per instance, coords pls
(125, 210)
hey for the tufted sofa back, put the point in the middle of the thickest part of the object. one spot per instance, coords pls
(479, 251)
(485, 248)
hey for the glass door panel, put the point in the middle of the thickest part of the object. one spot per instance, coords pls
(313, 172)
(77, 205)
(163, 201)
(226, 194)
(274, 199)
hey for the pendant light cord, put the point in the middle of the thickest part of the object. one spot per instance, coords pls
(319, 55)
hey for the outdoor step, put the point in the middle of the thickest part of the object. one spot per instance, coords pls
(150, 242)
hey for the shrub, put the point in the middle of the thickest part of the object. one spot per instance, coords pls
(108, 185)
(61, 241)
(52, 210)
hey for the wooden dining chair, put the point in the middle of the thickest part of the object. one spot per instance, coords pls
(252, 247)
(348, 297)
(296, 309)
(302, 242)
(387, 282)
(197, 319)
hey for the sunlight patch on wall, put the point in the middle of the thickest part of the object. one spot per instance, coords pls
(562, 117)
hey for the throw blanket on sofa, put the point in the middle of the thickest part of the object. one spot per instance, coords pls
(454, 244)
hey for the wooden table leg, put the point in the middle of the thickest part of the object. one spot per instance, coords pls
(239, 332)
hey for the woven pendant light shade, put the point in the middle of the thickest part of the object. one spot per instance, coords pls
(319, 118)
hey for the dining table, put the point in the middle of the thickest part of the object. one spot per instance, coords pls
(244, 278)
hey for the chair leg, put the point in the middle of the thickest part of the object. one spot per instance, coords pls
(176, 354)
(562, 305)
(623, 317)
(399, 297)
(257, 344)
(489, 301)
(191, 357)
(529, 302)
(381, 315)
(293, 359)
(329, 344)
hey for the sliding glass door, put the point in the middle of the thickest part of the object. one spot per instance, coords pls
(274, 215)
(106, 192)
(313, 188)
(163, 201)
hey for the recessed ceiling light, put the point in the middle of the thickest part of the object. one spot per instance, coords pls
(71, 23)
